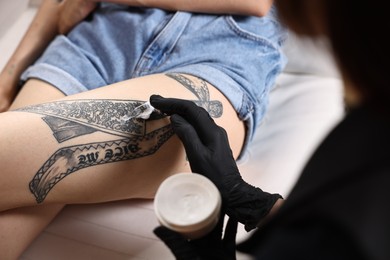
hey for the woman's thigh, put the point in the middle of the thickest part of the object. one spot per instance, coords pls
(18, 227)
(35, 92)
(79, 149)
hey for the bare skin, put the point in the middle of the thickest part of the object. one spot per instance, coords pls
(59, 17)
(123, 179)
(40, 32)
(29, 137)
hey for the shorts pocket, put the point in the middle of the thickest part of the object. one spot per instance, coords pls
(261, 29)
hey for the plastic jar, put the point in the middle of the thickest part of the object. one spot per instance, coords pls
(188, 203)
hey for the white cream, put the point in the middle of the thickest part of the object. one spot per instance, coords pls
(142, 111)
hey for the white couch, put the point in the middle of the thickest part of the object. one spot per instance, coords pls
(305, 103)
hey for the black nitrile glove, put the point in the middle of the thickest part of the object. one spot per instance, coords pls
(209, 247)
(209, 154)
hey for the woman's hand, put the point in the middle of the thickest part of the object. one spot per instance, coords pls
(72, 12)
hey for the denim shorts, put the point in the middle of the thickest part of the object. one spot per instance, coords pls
(241, 56)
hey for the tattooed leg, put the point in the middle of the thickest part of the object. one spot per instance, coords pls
(19, 227)
(29, 140)
(73, 146)
(70, 159)
(73, 118)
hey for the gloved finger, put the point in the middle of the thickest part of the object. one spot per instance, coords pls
(229, 238)
(172, 106)
(178, 245)
(187, 134)
(197, 116)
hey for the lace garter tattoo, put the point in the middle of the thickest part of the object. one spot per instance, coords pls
(74, 118)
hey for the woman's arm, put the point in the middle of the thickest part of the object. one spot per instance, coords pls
(248, 7)
(74, 11)
(41, 31)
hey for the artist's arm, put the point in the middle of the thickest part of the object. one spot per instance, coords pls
(208, 151)
(39, 34)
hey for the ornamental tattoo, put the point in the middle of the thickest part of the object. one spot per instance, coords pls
(74, 118)
(73, 158)
(201, 91)
(69, 119)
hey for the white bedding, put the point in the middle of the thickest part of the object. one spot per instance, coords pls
(305, 103)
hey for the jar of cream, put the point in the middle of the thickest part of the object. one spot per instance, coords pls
(188, 203)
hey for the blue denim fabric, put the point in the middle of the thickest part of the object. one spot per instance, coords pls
(239, 55)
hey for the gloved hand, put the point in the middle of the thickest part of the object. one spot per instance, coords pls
(209, 154)
(211, 246)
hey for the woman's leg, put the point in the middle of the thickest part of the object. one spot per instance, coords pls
(19, 227)
(77, 149)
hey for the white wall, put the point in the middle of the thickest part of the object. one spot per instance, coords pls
(35, 2)
(10, 11)
(15, 17)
